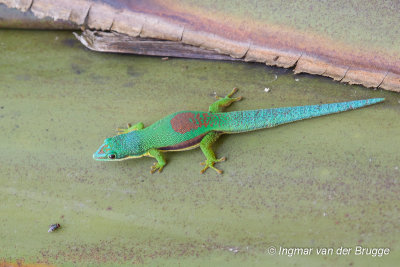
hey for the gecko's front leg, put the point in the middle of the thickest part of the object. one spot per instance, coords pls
(159, 165)
(137, 126)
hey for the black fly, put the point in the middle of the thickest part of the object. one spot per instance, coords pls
(54, 227)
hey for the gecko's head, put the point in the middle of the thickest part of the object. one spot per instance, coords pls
(119, 147)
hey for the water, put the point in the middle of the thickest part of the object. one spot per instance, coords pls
(326, 182)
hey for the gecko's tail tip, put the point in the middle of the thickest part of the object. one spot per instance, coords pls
(375, 100)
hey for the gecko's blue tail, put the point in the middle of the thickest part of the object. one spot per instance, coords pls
(249, 120)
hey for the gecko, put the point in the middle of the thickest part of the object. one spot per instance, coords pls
(186, 130)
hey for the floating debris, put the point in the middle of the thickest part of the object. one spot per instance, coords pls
(54, 227)
(234, 250)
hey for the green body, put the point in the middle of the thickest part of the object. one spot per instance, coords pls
(189, 129)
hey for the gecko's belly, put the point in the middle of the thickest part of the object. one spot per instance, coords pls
(185, 145)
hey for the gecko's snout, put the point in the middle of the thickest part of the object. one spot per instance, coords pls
(101, 153)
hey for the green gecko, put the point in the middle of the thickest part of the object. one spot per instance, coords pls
(186, 130)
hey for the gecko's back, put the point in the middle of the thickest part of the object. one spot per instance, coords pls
(182, 130)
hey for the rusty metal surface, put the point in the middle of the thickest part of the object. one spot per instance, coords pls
(121, 43)
(328, 34)
(16, 19)
(339, 36)
(353, 42)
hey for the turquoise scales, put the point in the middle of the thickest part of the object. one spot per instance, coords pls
(189, 129)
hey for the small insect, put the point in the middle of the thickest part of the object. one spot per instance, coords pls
(54, 227)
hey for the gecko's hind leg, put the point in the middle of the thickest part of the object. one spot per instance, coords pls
(224, 102)
(205, 146)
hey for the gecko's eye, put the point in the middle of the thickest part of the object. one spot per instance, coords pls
(111, 156)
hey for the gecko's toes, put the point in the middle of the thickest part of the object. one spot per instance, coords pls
(219, 171)
(210, 164)
(156, 167)
(234, 90)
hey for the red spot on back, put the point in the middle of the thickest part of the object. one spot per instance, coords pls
(188, 121)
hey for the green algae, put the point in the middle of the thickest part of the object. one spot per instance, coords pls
(325, 182)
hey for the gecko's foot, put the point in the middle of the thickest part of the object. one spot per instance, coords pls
(156, 166)
(123, 130)
(229, 96)
(224, 102)
(210, 164)
(130, 128)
